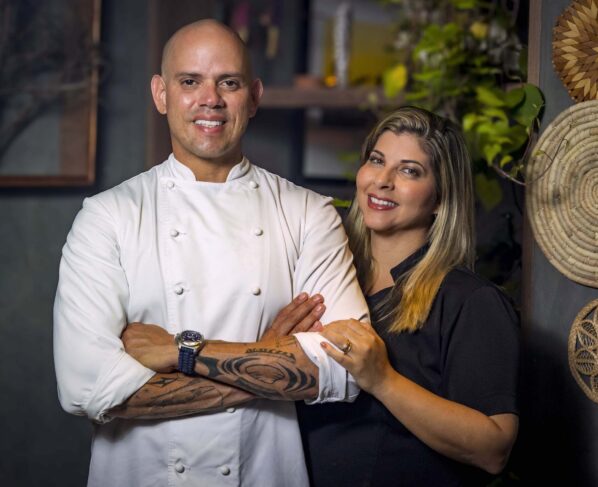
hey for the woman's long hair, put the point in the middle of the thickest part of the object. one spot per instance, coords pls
(451, 235)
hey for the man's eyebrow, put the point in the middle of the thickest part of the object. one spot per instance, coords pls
(190, 74)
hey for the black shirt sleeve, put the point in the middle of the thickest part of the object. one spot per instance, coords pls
(482, 354)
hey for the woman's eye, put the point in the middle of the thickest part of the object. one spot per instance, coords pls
(410, 171)
(375, 160)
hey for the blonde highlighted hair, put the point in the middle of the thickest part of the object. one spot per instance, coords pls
(451, 235)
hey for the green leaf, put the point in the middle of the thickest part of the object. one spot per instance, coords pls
(514, 97)
(469, 121)
(528, 111)
(394, 80)
(488, 96)
(465, 4)
(341, 203)
(429, 75)
(494, 128)
(488, 190)
(515, 137)
(495, 113)
(417, 95)
(505, 160)
(490, 152)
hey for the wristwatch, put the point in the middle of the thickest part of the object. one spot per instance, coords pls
(190, 342)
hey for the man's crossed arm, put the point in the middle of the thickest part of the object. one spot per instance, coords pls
(230, 373)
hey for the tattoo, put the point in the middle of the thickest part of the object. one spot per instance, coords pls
(285, 341)
(163, 381)
(273, 351)
(262, 371)
(174, 395)
(186, 389)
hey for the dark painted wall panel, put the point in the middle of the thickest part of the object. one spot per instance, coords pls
(39, 443)
(557, 444)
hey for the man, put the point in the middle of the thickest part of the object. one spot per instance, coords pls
(209, 242)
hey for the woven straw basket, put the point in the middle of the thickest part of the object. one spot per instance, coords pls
(583, 350)
(562, 193)
(575, 49)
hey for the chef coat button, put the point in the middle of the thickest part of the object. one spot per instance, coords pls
(257, 232)
(256, 291)
(174, 233)
(170, 184)
(224, 470)
(230, 410)
(253, 185)
(179, 467)
(179, 290)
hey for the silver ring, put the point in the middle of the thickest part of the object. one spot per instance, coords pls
(346, 348)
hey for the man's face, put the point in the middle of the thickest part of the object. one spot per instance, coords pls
(207, 95)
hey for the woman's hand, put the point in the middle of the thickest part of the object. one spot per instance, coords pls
(366, 360)
(151, 345)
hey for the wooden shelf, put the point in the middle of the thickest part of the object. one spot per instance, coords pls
(291, 97)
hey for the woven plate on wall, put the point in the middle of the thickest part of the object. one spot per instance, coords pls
(583, 350)
(575, 49)
(562, 193)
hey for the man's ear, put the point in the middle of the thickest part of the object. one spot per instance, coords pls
(257, 89)
(159, 93)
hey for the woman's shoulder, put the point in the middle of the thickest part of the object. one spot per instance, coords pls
(463, 284)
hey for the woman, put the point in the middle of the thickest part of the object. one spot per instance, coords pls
(438, 367)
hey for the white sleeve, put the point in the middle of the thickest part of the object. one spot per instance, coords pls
(335, 383)
(93, 371)
(325, 266)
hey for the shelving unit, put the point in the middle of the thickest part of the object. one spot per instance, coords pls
(281, 97)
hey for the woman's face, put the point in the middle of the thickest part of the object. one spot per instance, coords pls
(396, 189)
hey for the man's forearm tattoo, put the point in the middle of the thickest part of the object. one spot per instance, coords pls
(266, 372)
(173, 395)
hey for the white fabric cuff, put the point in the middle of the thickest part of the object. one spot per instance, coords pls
(336, 384)
(115, 386)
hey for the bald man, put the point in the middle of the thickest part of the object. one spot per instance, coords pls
(208, 247)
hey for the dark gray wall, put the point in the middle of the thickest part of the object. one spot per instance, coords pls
(39, 443)
(559, 423)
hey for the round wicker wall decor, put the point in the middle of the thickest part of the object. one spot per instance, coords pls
(575, 49)
(562, 193)
(583, 350)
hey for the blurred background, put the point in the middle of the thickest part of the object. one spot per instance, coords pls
(76, 118)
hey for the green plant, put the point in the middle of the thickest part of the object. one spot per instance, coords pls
(464, 60)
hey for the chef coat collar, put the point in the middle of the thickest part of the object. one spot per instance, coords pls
(178, 170)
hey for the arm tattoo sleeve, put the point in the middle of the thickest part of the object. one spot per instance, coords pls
(174, 395)
(275, 369)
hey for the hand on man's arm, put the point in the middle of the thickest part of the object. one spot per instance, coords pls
(276, 368)
(173, 394)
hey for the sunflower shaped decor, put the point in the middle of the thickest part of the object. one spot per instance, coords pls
(583, 350)
(575, 49)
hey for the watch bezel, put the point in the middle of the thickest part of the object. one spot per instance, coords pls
(189, 339)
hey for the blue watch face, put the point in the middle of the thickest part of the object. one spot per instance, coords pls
(191, 336)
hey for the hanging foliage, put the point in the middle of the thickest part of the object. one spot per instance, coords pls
(463, 59)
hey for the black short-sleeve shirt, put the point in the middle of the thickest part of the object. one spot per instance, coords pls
(467, 351)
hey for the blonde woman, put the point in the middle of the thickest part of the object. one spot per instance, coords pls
(438, 367)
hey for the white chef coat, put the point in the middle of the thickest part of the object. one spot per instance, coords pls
(221, 258)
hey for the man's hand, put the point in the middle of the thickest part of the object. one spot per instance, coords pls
(301, 314)
(151, 345)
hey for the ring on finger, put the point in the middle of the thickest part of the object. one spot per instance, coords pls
(346, 348)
